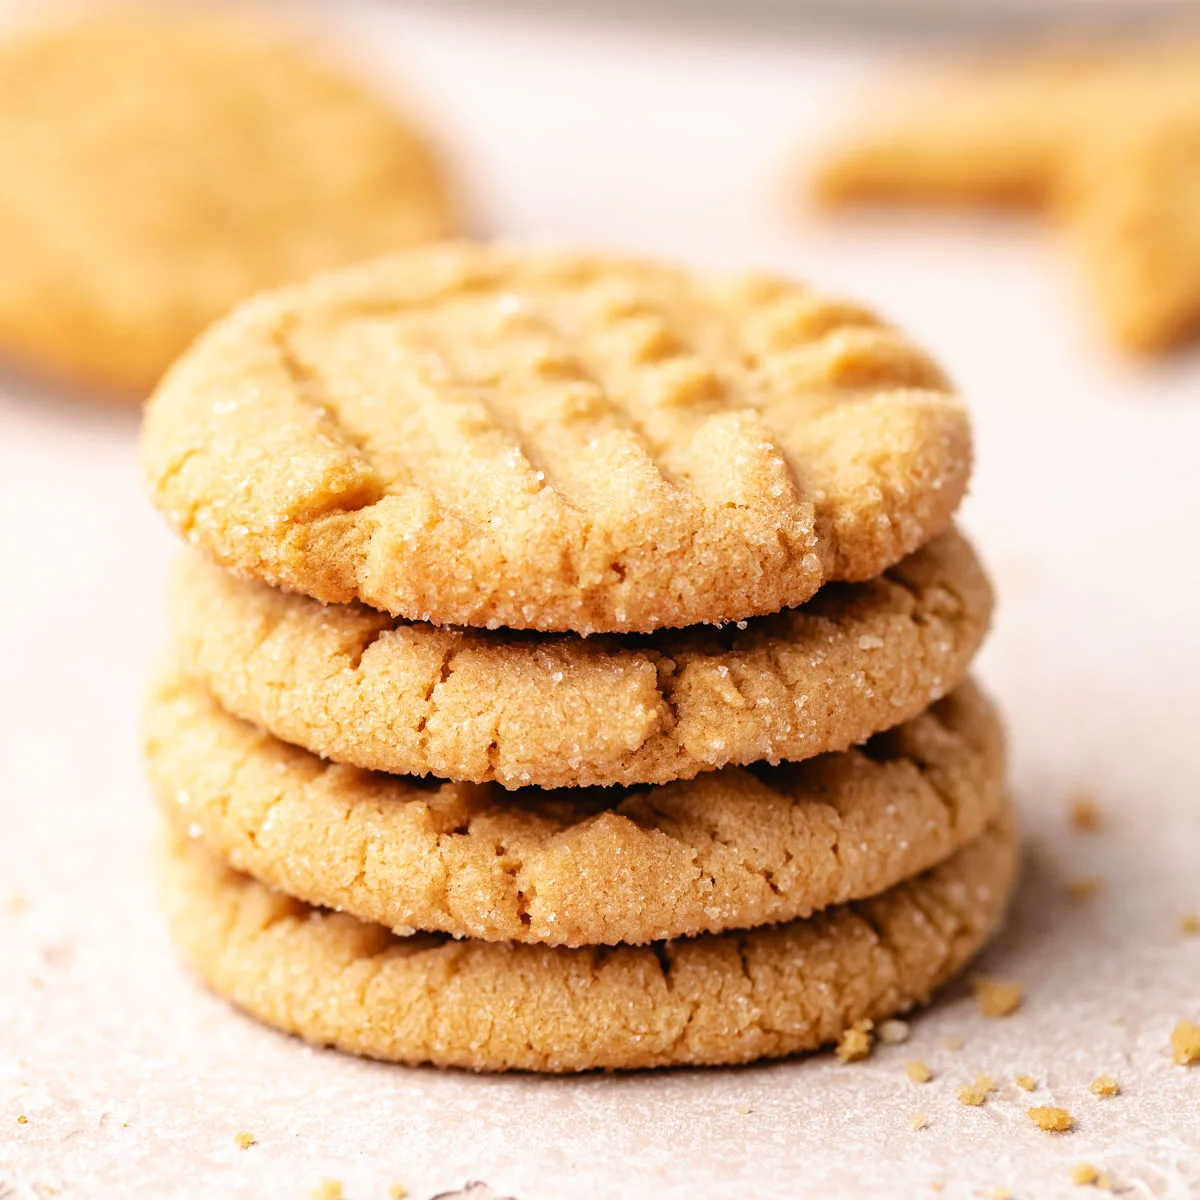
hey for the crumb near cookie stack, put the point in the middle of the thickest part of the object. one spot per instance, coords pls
(410, 489)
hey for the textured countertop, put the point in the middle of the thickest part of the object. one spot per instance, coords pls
(1086, 504)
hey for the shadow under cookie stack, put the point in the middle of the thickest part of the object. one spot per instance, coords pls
(570, 665)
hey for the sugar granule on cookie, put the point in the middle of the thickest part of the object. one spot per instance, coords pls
(855, 1043)
(245, 1140)
(1026, 1083)
(1104, 1085)
(1185, 1043)
(1051, 1118)
(975, 1093)
(917, 1071)
(996, 998)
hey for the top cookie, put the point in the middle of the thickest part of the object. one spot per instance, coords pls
(157, 171)
(481, 435)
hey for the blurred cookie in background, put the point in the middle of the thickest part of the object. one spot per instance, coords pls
(159, 169)
(1104, 136)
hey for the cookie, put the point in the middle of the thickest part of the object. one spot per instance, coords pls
(729, 849)
(488, 1006)
(1131, 209)
(1106, 138)
(481, 435)
(157, 171)
(360, 687)
(988, 131)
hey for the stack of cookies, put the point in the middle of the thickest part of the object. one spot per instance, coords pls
(570, 665)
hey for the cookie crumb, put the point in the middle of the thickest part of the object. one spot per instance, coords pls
(743, 1110)
(1189, 923)
(1185, 1043)
(397, 1191)
(949, 1042)
(893, 1032)
(974, 1094)
(245, 1140)
(917, 1071)
(938, 1185)
(22, 1120)
(1026, 1083)
(855, 1042)
(1105, 1085)
(1000, 1193)
(1085, 887)
(1085, 1175)
(918, 1121)
(1085, 813)
(327, 1189)
(16, 904)
(996, 997)
(1052, 1119)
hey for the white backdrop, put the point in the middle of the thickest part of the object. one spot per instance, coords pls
(1085, 504)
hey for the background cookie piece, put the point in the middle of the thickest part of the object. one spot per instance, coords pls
(726, 850)
(360, 687)
(480, 435)
(989, 131)
(158, 170)
(1132, 209)
(489, 1006)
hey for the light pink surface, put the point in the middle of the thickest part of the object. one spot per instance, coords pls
(1086, 504)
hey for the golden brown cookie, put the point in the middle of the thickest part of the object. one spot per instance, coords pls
(729, 849)
(1107, 137)
(157, 170)
(360, 687)
(482, 435)
(488, 1006)
(1132, 208)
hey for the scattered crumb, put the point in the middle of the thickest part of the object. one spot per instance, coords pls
(327, 1189)
(245, 1140)
(1085, 814)
(996, 997)
(917, 1071)
(1000, 1193)
(918, 1121)
(974, 1094)
(1105, 1085)
(22, 1120)
(1189, 923)
(1185, 1043)
(397, 1191)
(1051, 1119)
(893, 1032)
(855, 1042)
(938, 1184)
(949, 1042)
(744, 1110)
(1026, 1083)
(1085, 887)
(1085, 1175)
(16, 904)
